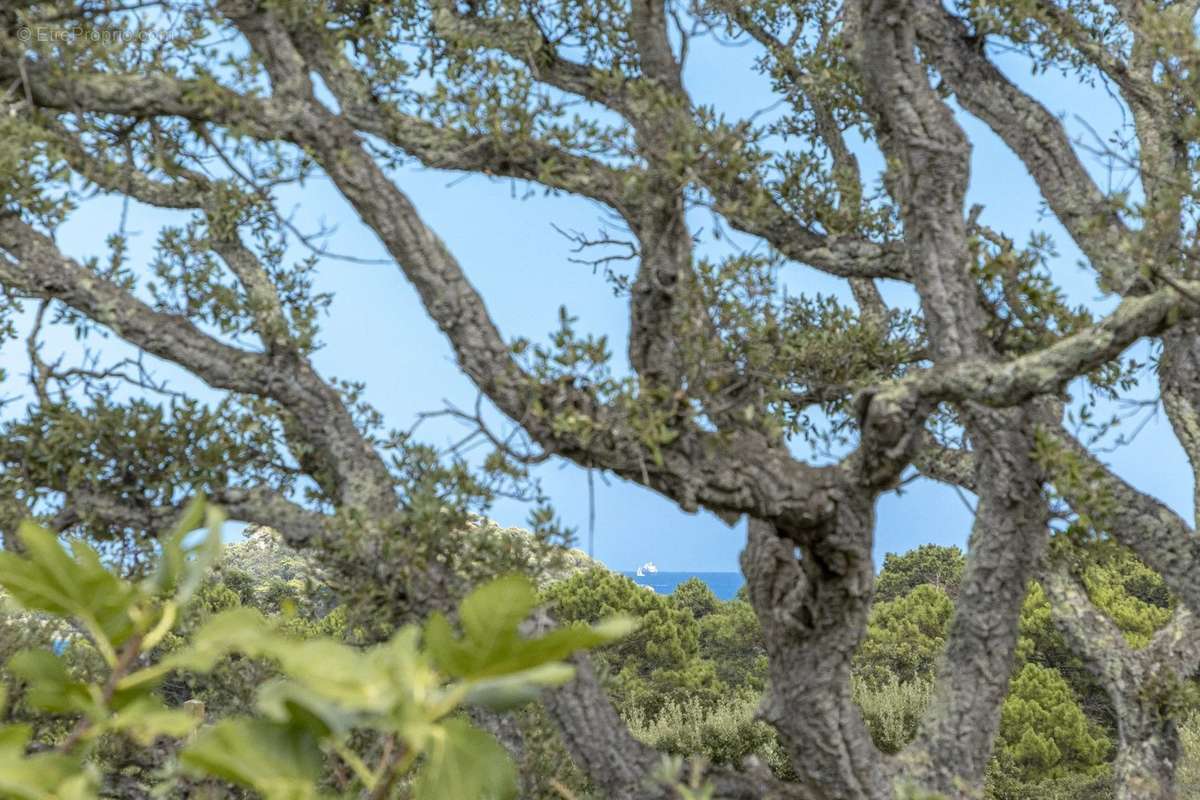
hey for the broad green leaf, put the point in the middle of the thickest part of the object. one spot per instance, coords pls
(239, 630)
(48, 578)
(147, 719)
(284, 701)
(391, 681)
(491, 613)
(44, 776)
(559, 644)
(168, 616)
(511, 691)
(491, 645)
(15, 737)
(182, 567)
(444, 648)
(465, 763)
(51, 687)
(280, 761)
(336, 671)
(383, 680)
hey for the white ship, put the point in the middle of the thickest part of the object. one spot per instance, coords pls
(646, 569)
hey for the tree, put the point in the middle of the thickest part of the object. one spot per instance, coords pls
(1044, 734)
(732, 639)
(726, 374)
(659, 664)
(694, 595)
(905, 636)
(927, 564)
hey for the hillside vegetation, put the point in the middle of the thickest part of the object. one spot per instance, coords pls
(688, 680)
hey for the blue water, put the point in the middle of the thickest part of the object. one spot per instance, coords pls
(723, 584)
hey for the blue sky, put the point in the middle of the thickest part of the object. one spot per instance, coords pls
(377, 331)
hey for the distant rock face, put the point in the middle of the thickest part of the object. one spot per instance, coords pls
(523, 552)
(265, 556)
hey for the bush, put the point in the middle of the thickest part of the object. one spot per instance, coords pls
(726, 733)
(731, 638)
(658, 664)
(1098, 786)
(331, 710)
(1187, 774)
(892, 709)
(695, 596)
(929, 564)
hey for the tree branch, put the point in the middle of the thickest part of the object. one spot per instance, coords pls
(927, 174)
(1156, 534)
(1033, 133)
(814, 614)
(298, 525)
(36, 267)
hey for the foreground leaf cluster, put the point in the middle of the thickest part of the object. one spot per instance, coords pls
(338, 720)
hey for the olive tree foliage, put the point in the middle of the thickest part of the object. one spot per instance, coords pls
(726, 375)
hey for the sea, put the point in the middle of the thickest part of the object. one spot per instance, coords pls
(723, 584)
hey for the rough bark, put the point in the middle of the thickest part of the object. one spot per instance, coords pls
(928, 176)
(1007, 540)
(1139, 682)
(1179, 379)
(811, 590)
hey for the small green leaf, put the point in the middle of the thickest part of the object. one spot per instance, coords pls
(278, 760)
(48, 578)
(147, 719)
(465, 763)
(512, 691)
(50, 685)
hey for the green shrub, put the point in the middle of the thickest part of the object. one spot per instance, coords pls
(731, 638)
(892, 709)
(660, 663)
(1187, 774)
(1095, 786)
(695, 596)
(1131, 594)
(545, 766)
(360, 720)
(1047, 748)
(929, 564)
(726, 733)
